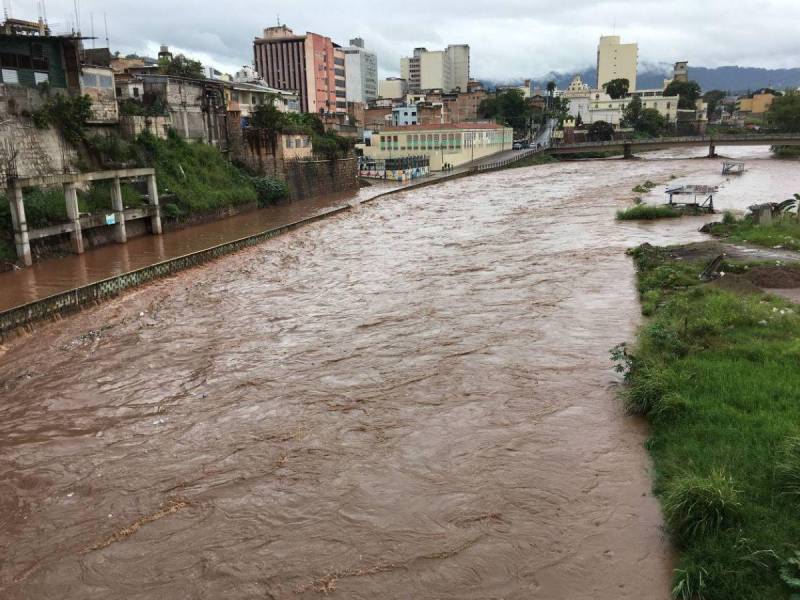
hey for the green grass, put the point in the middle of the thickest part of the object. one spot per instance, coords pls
(717, 374)
(784, 232)
(197, 176)
(647, 212)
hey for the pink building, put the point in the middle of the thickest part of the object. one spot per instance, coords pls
(310, 65)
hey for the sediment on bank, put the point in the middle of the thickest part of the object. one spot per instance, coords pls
(715, 371)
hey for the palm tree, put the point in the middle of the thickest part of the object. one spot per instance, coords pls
(551, 89)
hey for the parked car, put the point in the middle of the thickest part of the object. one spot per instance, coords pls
(517, 146)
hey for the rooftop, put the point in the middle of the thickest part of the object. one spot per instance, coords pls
(445, 126)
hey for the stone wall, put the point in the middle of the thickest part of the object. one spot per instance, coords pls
(306, 177)
(310, 178)
(26, 151)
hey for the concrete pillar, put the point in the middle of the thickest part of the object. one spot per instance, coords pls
(76, 236)
(120, 235)
(152, 191)
(19, 224)
(627, 151)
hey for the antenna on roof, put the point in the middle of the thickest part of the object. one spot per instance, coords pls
(279, 20)
(105, 19)
(91, 25)
(7, 8)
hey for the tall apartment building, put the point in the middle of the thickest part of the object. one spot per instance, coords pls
(616, 60)
(310, 65)
(361, 67)
(446, 70)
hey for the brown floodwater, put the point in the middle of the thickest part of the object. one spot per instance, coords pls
(409, 400)
(67, 272)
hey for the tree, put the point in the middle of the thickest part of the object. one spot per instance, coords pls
(713, 98)
(509, 108)
(600, 131)
(784, 113)
(689, 92)
(651, 122)
(617, 88)
(180, 66)
(551, 88)
(632, 112)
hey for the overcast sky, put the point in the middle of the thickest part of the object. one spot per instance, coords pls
(510, 39)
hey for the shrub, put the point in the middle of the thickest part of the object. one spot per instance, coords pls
(690, 583)
(695, 506)
(69, 115)
(647, 212)
(648, 384)
(196, 174)
(270, 190)
(172, 210)
(728, 217)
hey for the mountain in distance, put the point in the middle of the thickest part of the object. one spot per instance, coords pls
(732, 79)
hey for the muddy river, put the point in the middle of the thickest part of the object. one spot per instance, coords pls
(412, 400)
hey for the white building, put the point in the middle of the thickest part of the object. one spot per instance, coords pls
(616, 60)
(446, 70)
(579, 95)
(361, 72)
(604, 108)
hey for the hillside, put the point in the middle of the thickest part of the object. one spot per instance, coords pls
(730, 78)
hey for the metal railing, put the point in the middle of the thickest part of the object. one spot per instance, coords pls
(697, 139)
(506, 161)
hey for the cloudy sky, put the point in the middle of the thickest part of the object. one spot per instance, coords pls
(510, 39)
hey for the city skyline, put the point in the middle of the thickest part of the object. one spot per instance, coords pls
(509, 40)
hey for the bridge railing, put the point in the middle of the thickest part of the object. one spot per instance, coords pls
(506, 161)
(709, 139)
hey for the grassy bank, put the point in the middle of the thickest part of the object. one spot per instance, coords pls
(716, 373)
(647, 212)
(783, 232)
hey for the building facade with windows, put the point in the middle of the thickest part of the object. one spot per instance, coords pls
(310, 65)
(616, 60)
(361, 70)
(446, 70)
(454, 144)
(604, 108)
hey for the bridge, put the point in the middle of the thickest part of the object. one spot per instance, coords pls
(628, 147)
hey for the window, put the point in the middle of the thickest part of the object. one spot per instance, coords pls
(40, 78)
(39, 61)
(290, 142)
(88, 80)
(105, 81)
(10, 76)
(135, 92)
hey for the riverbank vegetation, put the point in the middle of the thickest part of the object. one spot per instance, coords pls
(715, 372)
(648, 212)
(782, 232)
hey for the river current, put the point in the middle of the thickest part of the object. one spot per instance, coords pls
(411, 400)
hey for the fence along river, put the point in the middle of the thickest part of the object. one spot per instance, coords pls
(412, 400)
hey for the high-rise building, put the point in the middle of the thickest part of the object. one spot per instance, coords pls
(446, 70)
(361, 67)
(310, 65)
(616, 61)
(459, 66)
